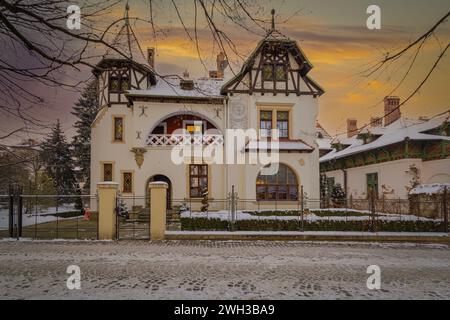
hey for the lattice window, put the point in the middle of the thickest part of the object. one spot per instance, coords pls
(119, 84)
(127, 185)
(107, 172)
(118, 129)
(198, 179)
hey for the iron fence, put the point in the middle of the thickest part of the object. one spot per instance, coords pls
(132, 217)
(49, 216)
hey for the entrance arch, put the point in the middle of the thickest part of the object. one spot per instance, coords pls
(161, 178)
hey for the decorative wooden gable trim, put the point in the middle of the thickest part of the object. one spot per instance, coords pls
(269, 70)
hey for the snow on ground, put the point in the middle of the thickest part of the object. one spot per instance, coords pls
(243, 215)
(223, 270)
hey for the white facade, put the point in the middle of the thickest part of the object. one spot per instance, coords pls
(154, 105)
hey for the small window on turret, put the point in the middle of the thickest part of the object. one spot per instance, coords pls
(119, 84)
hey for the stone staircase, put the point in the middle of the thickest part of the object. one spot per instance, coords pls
(140, 214)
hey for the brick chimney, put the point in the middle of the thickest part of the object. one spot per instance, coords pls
(376, 121)
(391, 110)
(151, 57)
(352, 127)
(221, 64)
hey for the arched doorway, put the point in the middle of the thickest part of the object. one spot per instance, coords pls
(163, 178)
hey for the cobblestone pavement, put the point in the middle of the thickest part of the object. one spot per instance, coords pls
(222, 270)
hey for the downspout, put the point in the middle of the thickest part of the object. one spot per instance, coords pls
(344, 171)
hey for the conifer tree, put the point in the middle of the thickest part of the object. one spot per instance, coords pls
(85, 110)
(56, 155)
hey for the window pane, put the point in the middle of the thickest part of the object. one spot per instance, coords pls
(118, 129)
(282, 192)
(282, 115)
(282, 179)
(114, 84)
(203, 170)
(271, 192)
(194, 170)
(127, 182)
(291, 177)
(266, 115)
(194, 182)
(107, 172)
(280, 72)
(203, 182)
(261, 192)
(272, 179)
(261, 179)
(195, 192)
(124, 84)
(267, 72)
(293, 193)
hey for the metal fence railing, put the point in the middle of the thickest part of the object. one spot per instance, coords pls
(132, 217)
(49, 216)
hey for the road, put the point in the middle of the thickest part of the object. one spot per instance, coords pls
(222, 270)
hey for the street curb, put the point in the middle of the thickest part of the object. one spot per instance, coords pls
(275, 237)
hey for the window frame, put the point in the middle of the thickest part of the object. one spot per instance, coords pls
(120, 80)
(198, 176)
(102, 166)
(114, 117)
(122, 188)
(274, 187)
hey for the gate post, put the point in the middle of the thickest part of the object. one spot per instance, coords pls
(158, 194)
(107, 192)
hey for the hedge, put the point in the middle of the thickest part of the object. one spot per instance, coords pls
(205, 224)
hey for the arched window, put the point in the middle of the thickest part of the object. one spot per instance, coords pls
(282, 186)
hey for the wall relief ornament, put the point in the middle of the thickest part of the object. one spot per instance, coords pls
(238, 113)
(139, 155)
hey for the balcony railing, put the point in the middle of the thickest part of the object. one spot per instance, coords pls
(163, 140)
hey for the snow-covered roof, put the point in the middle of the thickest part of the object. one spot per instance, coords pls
(395, 132)
(430, 188)
(207, 88)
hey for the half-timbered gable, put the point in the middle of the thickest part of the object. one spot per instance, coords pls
(276, 66)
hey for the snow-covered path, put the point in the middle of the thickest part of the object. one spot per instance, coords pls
(223, 270)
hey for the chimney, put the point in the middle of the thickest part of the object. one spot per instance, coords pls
(187, 84)
(376, 121)
(391, 110)
(352, 128)
(221, 64)
(151, 57)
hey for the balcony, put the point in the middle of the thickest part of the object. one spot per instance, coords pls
(165, 140)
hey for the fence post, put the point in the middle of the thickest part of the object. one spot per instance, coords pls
(158, 204)
(107, 192)
(445, 209)
(19, 211)
(11, 212)
(372, 210)
(303, 207)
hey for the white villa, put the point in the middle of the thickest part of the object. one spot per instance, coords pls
(140, 110)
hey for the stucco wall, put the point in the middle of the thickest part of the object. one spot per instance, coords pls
(395, 176)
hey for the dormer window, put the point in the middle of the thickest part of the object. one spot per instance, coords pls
(274, 72)
(119, 84)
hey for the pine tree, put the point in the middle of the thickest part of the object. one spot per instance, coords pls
(56, 155)
(338, 195)
(85, 110)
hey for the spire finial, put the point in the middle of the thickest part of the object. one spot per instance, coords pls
(273, 18)
(127, 8)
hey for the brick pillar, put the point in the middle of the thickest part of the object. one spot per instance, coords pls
(107, 192)
(158, 194)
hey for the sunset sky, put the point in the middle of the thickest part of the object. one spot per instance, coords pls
(333, 35)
